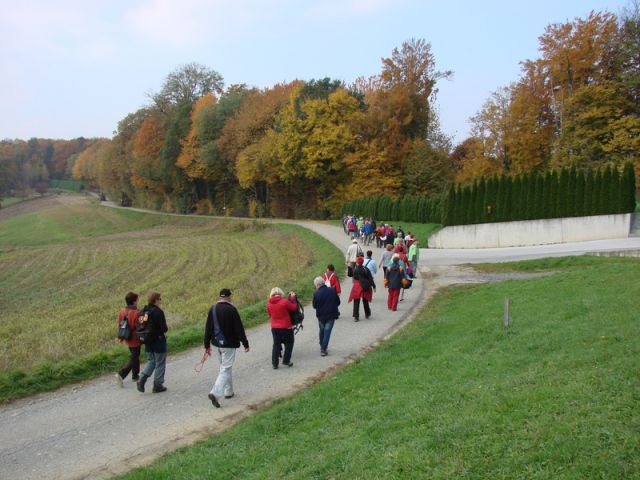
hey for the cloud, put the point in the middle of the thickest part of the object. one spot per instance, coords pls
(192, 22)
(67, 28)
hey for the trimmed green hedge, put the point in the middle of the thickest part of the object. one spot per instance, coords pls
(569, 192)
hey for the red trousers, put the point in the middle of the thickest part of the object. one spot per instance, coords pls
(392, 299)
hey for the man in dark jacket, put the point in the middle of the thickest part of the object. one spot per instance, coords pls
(325, 302)
(156, 348)
(225, 331)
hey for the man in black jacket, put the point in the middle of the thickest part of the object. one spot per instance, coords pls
(225, 331)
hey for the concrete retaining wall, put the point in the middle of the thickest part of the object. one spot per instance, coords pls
(533, 232)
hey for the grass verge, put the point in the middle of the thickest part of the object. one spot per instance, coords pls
(454, 395)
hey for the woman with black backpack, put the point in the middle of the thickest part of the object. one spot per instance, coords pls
(155, 345)
(362, 289)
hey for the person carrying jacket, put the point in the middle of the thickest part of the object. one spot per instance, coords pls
(156, 350)
(225, 332)
(279, 309)
(133, 365)
(362, 289)
(325, 302)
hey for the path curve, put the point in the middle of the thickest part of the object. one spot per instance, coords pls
(78, 431)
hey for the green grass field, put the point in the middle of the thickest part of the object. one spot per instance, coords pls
(8, 201)
(454, 395)
(66, 269)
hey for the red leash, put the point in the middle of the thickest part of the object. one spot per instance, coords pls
(200, 365)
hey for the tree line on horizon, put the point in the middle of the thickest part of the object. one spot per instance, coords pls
(307, 148)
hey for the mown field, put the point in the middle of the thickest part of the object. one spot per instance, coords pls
(454, 395)
(67, 264)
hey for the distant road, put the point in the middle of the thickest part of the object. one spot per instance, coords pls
(459, 256)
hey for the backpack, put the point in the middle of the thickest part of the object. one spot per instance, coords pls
(327, 280)
(217, 331)
(297, 317)
(144, 328)
(124, 330)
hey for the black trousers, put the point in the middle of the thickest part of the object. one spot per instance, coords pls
(280, 336)
(133, 365)
(356, 308)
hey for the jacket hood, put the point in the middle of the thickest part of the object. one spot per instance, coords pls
(275, 299)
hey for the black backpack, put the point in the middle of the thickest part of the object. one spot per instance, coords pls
(297, 317)
(124, 330)
(144, 328)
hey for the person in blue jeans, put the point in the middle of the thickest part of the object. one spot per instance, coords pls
(156, 351)
(325, 302)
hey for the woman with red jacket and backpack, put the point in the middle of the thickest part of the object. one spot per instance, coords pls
(133, 365)
(279, 309)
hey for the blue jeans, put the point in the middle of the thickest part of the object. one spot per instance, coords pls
(325, 333)
(155, 361)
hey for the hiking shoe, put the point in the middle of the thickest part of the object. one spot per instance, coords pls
(159, 389)
(229, 396)
(119, 380)
(214, 400)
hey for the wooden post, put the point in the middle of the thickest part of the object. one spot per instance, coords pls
(505, 317)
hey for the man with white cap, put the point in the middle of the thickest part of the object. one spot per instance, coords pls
(353, 252)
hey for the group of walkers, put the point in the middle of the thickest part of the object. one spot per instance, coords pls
(225, 332)
(399, 261)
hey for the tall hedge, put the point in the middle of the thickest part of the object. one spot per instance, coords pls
(570, 191)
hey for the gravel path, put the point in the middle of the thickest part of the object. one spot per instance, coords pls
(78, 431)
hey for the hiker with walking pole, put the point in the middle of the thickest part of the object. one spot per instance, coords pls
(224, 330)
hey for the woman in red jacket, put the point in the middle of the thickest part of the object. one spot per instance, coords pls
(279, 308)
(133, 365)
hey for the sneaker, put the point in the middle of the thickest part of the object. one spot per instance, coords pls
(159, 389)
(356, 319)
(140, 386)
(275, 367)
(290, 364)
(323, 353)
(135, 379)
(214, 400)
(119, 380)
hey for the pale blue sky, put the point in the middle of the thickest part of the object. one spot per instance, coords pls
(76, 67)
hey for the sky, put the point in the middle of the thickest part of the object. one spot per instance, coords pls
(75, 68)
